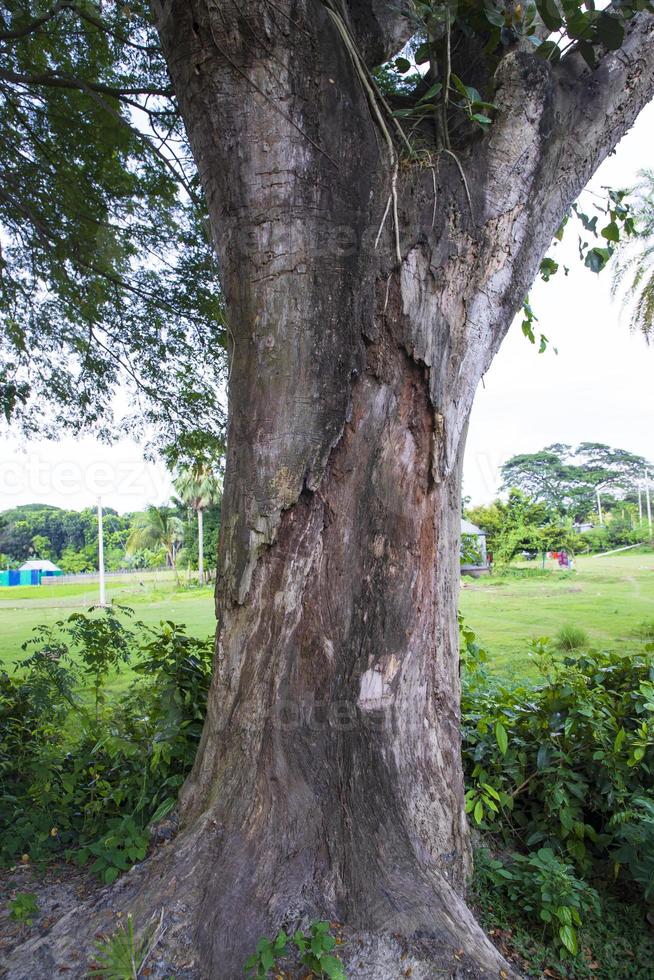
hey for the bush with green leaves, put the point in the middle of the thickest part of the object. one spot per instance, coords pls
(84, 774)
(546, 888)
(564, 758)
(560, 775)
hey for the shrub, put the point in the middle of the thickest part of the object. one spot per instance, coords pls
(85, 777)
(553, 766)
(571, 638)
(546, 888)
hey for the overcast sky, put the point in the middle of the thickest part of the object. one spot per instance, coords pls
(597, 389)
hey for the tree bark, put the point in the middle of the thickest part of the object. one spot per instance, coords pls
(328, 782)
(330, 759)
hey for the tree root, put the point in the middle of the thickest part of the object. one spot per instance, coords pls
(429, 933)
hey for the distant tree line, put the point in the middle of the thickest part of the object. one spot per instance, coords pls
(551, 502)
(155, 537)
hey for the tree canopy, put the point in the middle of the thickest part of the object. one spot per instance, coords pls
(107, 272)
(567, 479)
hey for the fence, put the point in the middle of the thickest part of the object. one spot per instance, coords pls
(149, 574)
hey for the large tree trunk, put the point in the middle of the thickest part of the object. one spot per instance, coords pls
(328, 782)
(330, 759)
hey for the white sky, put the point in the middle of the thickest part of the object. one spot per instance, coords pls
(598, 388)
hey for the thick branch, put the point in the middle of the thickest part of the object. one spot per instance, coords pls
(598, 107)
(380, 27)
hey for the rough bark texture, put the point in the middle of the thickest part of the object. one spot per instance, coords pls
(328, 782)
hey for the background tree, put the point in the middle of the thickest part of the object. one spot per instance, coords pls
(372, 264)
(634, 273)
(519, 524)
(156, 528)
(199, 487)
(567, 479)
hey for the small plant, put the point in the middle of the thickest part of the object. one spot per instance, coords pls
(315, 949)
(645, 630)
(116, 851)
(266, 954)
(23, 907)
(571, 638)
(123, 955)
(546, 889)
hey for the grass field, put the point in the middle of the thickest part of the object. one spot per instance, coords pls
(151, 598)
(607, 597)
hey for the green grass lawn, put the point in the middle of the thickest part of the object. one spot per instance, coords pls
(21, 609)
(607, 597)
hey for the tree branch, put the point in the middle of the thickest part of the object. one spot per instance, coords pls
(598, 107)
(52, 80)
(34, 24)
(380, 27)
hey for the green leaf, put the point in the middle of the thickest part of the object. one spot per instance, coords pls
(479, 812)
(611, 232)
(549, 51)
(163, 809)
(422, 54)
(402, 64)
(568, 937)
(502, 737)
(597, 258)
(431, 92)
(550, 14)
(610, 31)
(587, 52)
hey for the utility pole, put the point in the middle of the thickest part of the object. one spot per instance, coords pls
(640, 504)
(647, 500)
(599, 507)
(103, 598)
(200, 547)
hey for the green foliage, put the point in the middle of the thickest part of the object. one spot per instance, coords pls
(67, 537)
(545, 888)
(23, 907)
(520, 525)
(578, 750)
(266, 954)
(470, 551)
(116, 851)
(558, 780)
(617, 944)
(566, 479)
(634, 274)
(120, 956)
(108, 276)
(315, 949)
(157, 527)
(571, 637)
(85, 779)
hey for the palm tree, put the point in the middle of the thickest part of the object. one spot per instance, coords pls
(634, 274)
(156, 527)
(199, 488)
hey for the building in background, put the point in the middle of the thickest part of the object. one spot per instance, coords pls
(30, 573)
